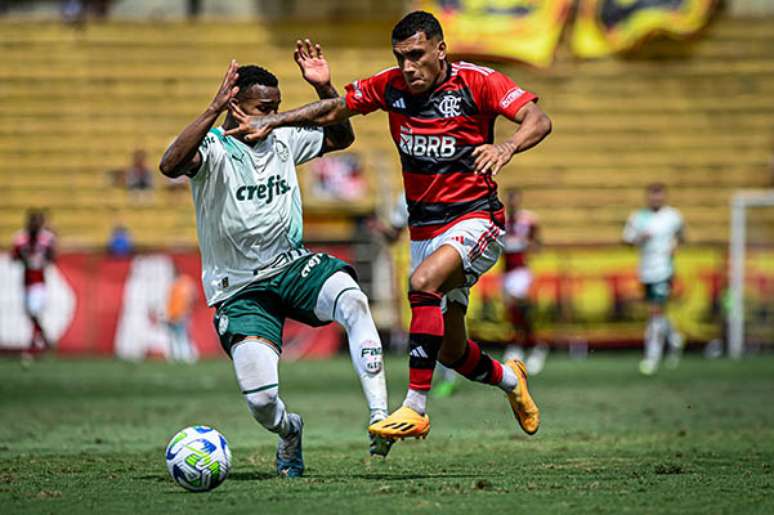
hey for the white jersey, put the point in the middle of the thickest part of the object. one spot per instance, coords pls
(399, 216)
(248, 207)
(663, 228)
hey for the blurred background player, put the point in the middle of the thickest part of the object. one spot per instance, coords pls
(34, 247)
(398, 221)
(180, 305)
(441, 117)
(657, 230)
(522, 236)
(255, 268)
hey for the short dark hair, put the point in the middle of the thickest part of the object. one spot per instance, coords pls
(417, 21)
(656, 187)
(250, 75)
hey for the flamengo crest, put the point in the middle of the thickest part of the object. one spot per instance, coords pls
(450, 106)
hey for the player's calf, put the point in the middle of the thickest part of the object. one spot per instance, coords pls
(480, 367)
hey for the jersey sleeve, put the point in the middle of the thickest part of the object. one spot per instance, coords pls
(211, 151)
(631, 232)
(305, 143)
(399, 216)
(500, 95)
(367, 95)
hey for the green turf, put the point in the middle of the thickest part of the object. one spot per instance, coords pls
(88, 436)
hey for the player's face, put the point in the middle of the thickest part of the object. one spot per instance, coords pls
(35, 222)
(656, 199)
(420, 61)
(260, 100)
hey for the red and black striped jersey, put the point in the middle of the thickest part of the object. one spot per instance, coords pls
(436, 134)
(520, 229)
(35, 253)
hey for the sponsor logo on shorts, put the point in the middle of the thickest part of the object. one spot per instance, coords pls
(223, 325)
(313, 262)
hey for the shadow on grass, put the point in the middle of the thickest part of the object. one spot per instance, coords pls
(251, 476)
(233, 476)
(397, 477)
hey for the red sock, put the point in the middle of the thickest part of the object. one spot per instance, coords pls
(425, 336)
(477, 366)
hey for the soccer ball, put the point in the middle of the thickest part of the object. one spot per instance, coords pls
(198, 458)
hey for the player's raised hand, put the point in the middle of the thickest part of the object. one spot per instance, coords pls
(491, 158)
(252, 128)
(227, 90)
(312, 63)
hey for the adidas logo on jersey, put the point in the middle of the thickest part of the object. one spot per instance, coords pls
(274, 187)
(399, 104)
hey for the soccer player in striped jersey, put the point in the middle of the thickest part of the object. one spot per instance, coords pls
(522, 236)
(35, 248)
(441, 117)
(255, 268)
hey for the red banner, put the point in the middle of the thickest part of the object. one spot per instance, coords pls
(97, 304)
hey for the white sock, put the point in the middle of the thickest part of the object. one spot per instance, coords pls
(447, 374)
(509, 381)
(416, 400)
(255, 364)
(342, 300)
(654, 338)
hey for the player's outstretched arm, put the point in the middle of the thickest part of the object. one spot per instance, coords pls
(322, 113)
(182, 158)
(534, 126)
(315, 70)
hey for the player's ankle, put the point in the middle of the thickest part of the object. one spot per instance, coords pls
(416, 400)
(509, 381)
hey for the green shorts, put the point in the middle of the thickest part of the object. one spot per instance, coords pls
(658, 293)
(260, 308)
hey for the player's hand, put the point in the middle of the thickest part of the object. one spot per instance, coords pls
(251, 128)
(491, 158)
(314, 67)
(227, 90)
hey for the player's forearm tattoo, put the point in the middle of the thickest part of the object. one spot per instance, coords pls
(317, 114)
(339, 135)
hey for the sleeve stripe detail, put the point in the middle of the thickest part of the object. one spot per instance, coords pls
(483, 70)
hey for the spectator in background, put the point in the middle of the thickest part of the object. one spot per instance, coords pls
(138, 175)
(120, 242)
(34, 247)
(180, 305)
(522, 236)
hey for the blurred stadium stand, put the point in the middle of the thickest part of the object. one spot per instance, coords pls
(76, 102)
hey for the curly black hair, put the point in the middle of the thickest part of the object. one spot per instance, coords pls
(250, 75)
(417, 21)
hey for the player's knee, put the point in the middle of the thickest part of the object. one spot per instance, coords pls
(352, 305)
(263, 405)
(423, 281)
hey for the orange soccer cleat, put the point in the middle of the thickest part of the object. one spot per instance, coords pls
(524, 408)
(404, 423)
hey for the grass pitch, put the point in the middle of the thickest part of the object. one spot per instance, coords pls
(88, 436)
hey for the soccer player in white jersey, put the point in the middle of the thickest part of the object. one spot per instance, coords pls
(255, 269)
(657, 230)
